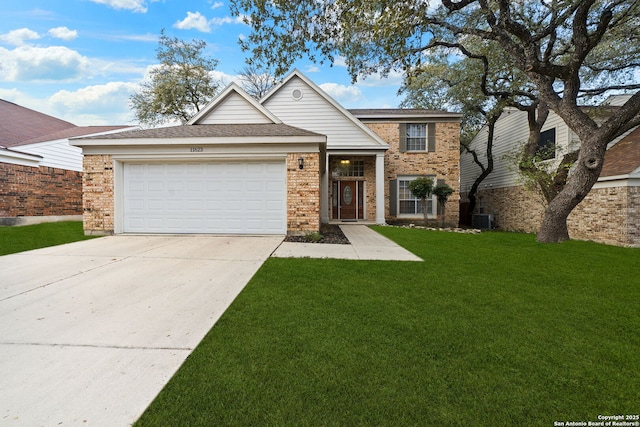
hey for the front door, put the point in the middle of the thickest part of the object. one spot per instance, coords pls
(350, 200)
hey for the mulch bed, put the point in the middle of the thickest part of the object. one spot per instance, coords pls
(331, 233)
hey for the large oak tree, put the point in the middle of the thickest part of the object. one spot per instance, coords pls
(567, 49)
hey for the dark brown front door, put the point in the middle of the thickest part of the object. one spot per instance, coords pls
(350, 200)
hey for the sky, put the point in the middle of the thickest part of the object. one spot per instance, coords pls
(81, 60)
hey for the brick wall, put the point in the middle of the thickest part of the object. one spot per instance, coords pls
(606, 215)
(39, 191)
(98, 210)
(303, 193)
(444, 163)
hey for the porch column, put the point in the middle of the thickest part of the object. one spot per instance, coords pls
(380, 189)
(324, 193)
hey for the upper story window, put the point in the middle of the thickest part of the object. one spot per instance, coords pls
(547, 144)
(417, 137)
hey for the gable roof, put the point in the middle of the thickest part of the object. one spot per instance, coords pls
(206, 131)
(18, 124)
(624, 157)
(243, 101)
(76, 132)
(373, 138)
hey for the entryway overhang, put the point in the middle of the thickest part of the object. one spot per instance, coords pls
(344, 157)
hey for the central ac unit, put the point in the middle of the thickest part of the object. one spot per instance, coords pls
(482, 221)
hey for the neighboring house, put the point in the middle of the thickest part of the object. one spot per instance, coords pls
(40, 173)
(609, 214)
(281, 165)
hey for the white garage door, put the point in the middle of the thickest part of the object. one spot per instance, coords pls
(219, 197)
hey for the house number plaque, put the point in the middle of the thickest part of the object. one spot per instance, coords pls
(196, 149)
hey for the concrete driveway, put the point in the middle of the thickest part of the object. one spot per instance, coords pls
(90, 332)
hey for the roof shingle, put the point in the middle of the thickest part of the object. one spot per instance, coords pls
(210, 131)
(624, 157)
(18, 124)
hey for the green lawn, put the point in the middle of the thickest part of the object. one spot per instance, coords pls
(19, 239)
(491, 330)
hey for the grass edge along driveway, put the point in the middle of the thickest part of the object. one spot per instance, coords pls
(492, 329)
(28, 237)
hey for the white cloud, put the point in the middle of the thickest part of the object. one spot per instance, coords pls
(216, 4)
(28, 63)
(133, 5)
(312, 69)
(18, 37)
(342, 93)
(63, 33)
(227, 20)
(195, 21)
(394, 78)
(106, 104)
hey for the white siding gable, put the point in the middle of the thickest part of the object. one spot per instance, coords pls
(233, 106)
(56, 154)
(234, 110)
(298, 104)
(511, 133)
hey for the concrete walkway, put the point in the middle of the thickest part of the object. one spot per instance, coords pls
(366, 244)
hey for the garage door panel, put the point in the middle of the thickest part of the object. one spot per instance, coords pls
(215, 197)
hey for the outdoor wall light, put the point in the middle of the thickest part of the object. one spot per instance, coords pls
(300, 162)
(345, 162)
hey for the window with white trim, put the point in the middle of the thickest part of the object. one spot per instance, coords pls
(416, 137)
(408, 204)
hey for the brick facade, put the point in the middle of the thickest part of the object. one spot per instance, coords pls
(98, 191)
(303, 193)
(607, 215)
(444, 162)
(39, 191)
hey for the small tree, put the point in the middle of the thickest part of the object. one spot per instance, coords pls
(422, 188)
(179, 86)
(442, 192)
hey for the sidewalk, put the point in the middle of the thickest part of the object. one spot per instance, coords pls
(366, 244)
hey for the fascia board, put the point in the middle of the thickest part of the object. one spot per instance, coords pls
(150, 142)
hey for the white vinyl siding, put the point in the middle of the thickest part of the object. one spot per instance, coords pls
(213, 197)
(235, 110)
(313, 112)
(56, 154)
(511, 133)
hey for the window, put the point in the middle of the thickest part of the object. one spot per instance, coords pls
(417, 137)
(547, 144)
(408, 204)
(351, 168)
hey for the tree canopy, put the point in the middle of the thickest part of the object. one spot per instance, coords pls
(179, 86)
(567, 50)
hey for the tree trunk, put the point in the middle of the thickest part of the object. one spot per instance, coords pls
(553, 228)
(424, 211)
